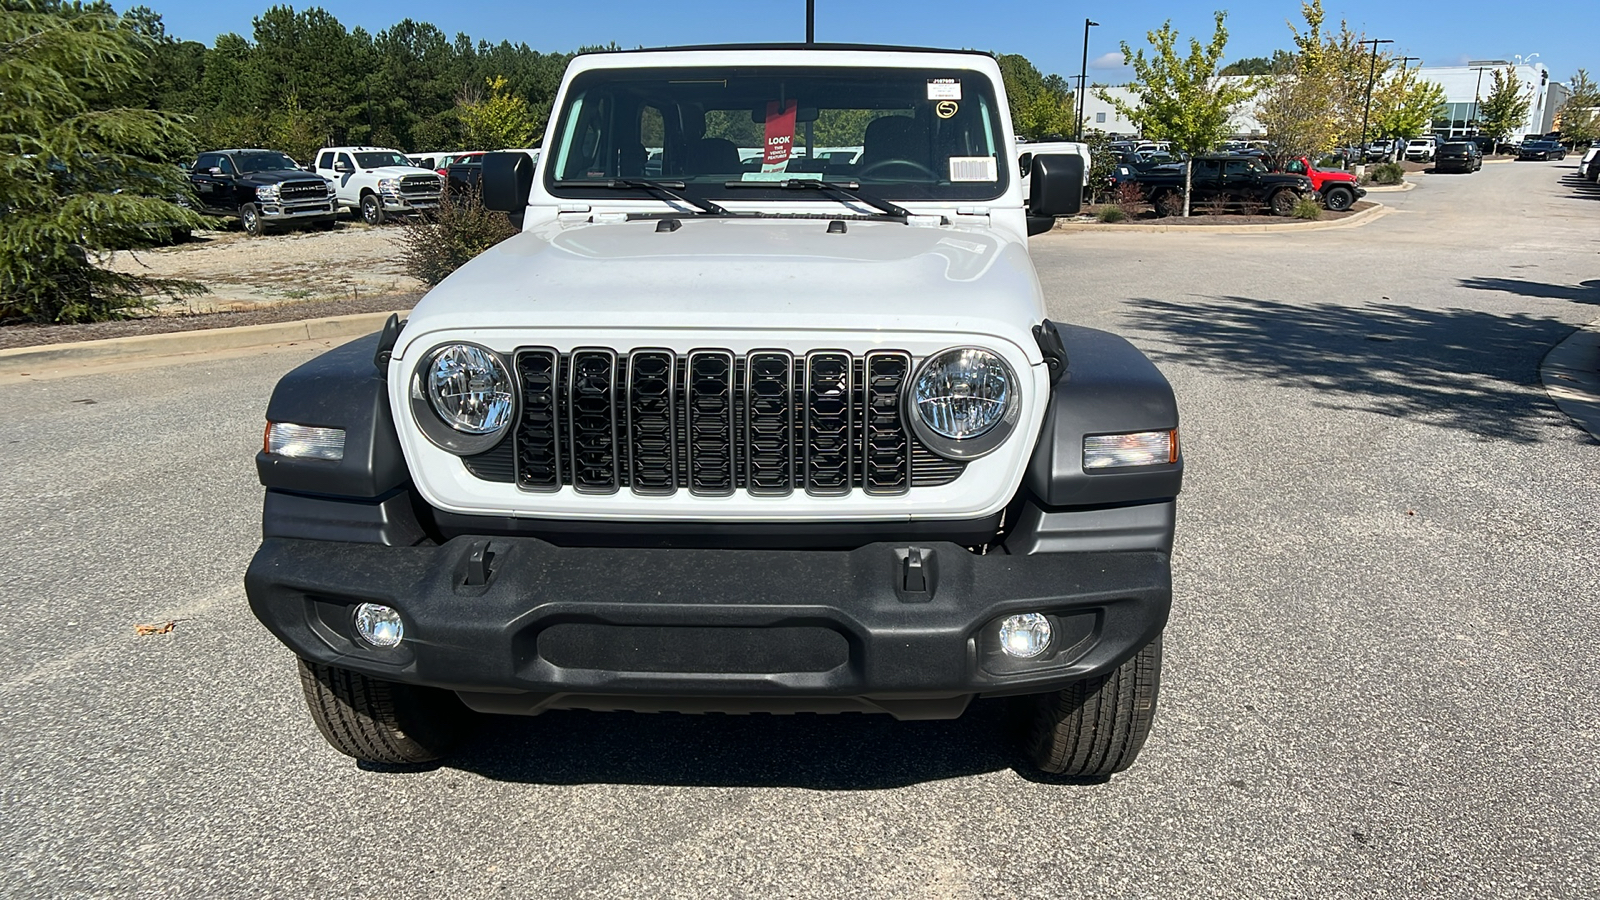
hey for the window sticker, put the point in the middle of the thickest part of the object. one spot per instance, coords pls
(944, 89)
(946, 108)
(973, 168)
(779, 141)
(781, 176)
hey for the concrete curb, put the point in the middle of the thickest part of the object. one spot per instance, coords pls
(1391, 188)
(1571, 376)
(1359, 219)
(26, 360)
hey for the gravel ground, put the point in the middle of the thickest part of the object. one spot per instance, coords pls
(349, 262)
(1379, 679)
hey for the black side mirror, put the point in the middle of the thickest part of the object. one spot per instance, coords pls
(1056, 189)
(507, 180)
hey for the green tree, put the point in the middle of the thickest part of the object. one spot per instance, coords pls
(1505, 108)
(1257, 65)
(1041, 105)
(1405, 105)
(1179, 98)
(498, 120)
(1579, 114)
(78, 177)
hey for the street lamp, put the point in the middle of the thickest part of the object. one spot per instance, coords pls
(1372, 75)
(1083, 74)
(811, 21)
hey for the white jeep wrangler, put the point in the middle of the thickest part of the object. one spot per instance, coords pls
(797, 439)
(375, 182)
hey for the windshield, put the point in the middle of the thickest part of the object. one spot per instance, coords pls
(264, 162)
(904, 134)
(379, 160)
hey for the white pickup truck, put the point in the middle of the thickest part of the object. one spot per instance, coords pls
(376, 183)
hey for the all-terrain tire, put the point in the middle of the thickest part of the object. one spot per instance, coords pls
(1096, 727)
(1282, 203)
(382, 721)
(1339, 199)
(372, 210)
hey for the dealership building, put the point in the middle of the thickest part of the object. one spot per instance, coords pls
(1464, 89)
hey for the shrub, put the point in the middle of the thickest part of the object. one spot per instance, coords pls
(1308, 208)
(1216, 206)
(1129, 198)
(1111, 214)
(439, 242)
(1388, 173)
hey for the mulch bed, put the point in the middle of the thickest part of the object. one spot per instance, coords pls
(1201, 217)
(36, 335)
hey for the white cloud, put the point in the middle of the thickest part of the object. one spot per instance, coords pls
(1111, 60)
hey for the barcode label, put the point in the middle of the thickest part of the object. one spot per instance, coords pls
(973, 168)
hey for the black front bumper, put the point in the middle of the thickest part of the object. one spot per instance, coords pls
(700, 630)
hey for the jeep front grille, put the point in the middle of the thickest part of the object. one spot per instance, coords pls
(713, 422)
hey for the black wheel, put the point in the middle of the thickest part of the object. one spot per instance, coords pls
(371, 209)
(1169, 203)
(1097, 727)
(382, 721)
(250, 220)
(1282, 203)
(1339, 199)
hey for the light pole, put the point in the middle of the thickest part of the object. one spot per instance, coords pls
(1372, 75)
(811, 21)
(1083, 75)
(1476, 92)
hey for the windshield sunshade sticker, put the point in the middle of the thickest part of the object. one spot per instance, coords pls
(973, 168)
(944, 89)
(779, 142)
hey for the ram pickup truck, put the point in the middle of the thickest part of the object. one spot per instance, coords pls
(1339, 190)
(721, 440)
(1240, 181)
(261, 188)
(375, 183)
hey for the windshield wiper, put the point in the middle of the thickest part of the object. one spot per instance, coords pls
(850, 189)
(668, 189)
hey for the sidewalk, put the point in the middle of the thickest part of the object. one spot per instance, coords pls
(1571, 375)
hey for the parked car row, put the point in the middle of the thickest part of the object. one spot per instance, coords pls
(1239, 181)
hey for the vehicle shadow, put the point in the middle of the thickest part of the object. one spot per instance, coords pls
(824, 753)
(1465, 369)
(1582, 188)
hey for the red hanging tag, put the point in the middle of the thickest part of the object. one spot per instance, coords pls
(779, 143)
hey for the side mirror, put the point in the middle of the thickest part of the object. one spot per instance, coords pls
(343, 167)
(507, 180)
(214, 170)
(1056, 189)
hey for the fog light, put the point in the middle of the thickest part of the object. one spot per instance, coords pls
(379, 625)
(304, 441)
(1025, 636)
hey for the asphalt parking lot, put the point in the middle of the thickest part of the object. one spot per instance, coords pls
(1379, 672)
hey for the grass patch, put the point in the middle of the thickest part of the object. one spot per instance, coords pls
(1111, 214)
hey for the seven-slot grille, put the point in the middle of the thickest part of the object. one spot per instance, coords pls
(419, 184)
(303, 190)
(712, 422)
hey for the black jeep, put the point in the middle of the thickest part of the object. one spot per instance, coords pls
(1240, 182)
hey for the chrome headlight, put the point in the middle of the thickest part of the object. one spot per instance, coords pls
(463, 398)
(963, 402)
(388, 184)
(267, 193)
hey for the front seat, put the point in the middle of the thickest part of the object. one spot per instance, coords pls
(712, 156)
(894, 138)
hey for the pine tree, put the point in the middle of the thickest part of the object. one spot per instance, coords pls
(78, 175)
(1505, 109)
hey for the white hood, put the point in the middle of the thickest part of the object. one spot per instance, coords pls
(753, 274)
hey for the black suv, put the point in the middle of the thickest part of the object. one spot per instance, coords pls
(1239, 181)
(1458, 156)
(261, 188)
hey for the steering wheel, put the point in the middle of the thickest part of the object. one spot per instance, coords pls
(919, 168)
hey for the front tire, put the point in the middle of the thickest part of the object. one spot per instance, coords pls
(1339, 199)
(1282, 203)
(372, 210)
(250, 220)
(1097, 727)
(382, 721)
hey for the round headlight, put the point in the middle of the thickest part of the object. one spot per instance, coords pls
(468, 389)
(963, 402)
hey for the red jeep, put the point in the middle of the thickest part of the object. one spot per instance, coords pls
(1337, 189)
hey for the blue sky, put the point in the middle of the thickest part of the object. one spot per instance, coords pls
(1049, 32)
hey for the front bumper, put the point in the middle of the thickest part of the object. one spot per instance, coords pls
(278, 212)
(396, 202)
(699, 630)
